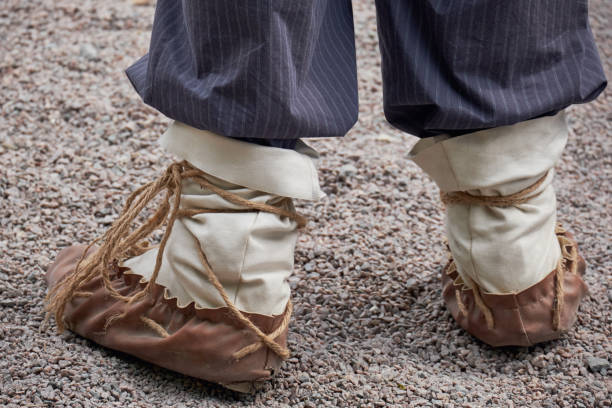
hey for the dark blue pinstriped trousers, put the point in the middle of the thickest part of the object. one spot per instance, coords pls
(279, 70)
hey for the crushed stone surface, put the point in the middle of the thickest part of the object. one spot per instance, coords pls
(370, 328)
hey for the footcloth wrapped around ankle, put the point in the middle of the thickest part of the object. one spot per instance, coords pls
(251, 252)
(211, 300)
(514, 275)
(503, 249)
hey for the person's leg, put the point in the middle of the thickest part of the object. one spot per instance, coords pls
(263, 69)
(514, 276)
(483, 83)
(212, 299)
(454, 67)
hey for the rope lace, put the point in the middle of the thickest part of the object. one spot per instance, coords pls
(460, 285)
(119, 242)
(568, 248)
(521, 197)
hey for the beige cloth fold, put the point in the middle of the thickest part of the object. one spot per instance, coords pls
(282, 172)
(251, 253)
(504, 250)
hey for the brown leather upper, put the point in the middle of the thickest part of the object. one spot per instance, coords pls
(199, 342)
(520, 319)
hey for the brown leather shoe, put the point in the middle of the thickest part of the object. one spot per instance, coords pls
(537, 314)
(93, 294)
(201, 343)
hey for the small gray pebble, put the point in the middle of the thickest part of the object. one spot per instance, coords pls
(347, 171)
(89, 51)
(597, 364)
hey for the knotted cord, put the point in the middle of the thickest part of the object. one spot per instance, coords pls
(521, 197)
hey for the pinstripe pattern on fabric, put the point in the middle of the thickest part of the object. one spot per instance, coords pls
(457, 66)
(253, 69)
(273, 71)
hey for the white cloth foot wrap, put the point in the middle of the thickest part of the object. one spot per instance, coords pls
(503, 250)
(251, 253)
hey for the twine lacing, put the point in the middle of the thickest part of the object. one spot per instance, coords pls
(460, 285)
(121, 242)
(521, 197)
(569, 250)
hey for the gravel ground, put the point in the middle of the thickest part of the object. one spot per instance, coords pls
(370, 328)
